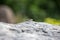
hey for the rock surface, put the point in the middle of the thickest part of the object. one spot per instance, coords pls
(29, 30)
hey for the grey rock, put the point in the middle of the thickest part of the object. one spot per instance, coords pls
(29, 30)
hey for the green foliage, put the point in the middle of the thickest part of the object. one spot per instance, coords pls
(35, 9)
(52, 21)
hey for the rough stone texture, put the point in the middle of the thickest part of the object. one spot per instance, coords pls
(29, 30)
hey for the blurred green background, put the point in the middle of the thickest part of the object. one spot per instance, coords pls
(38, 10)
